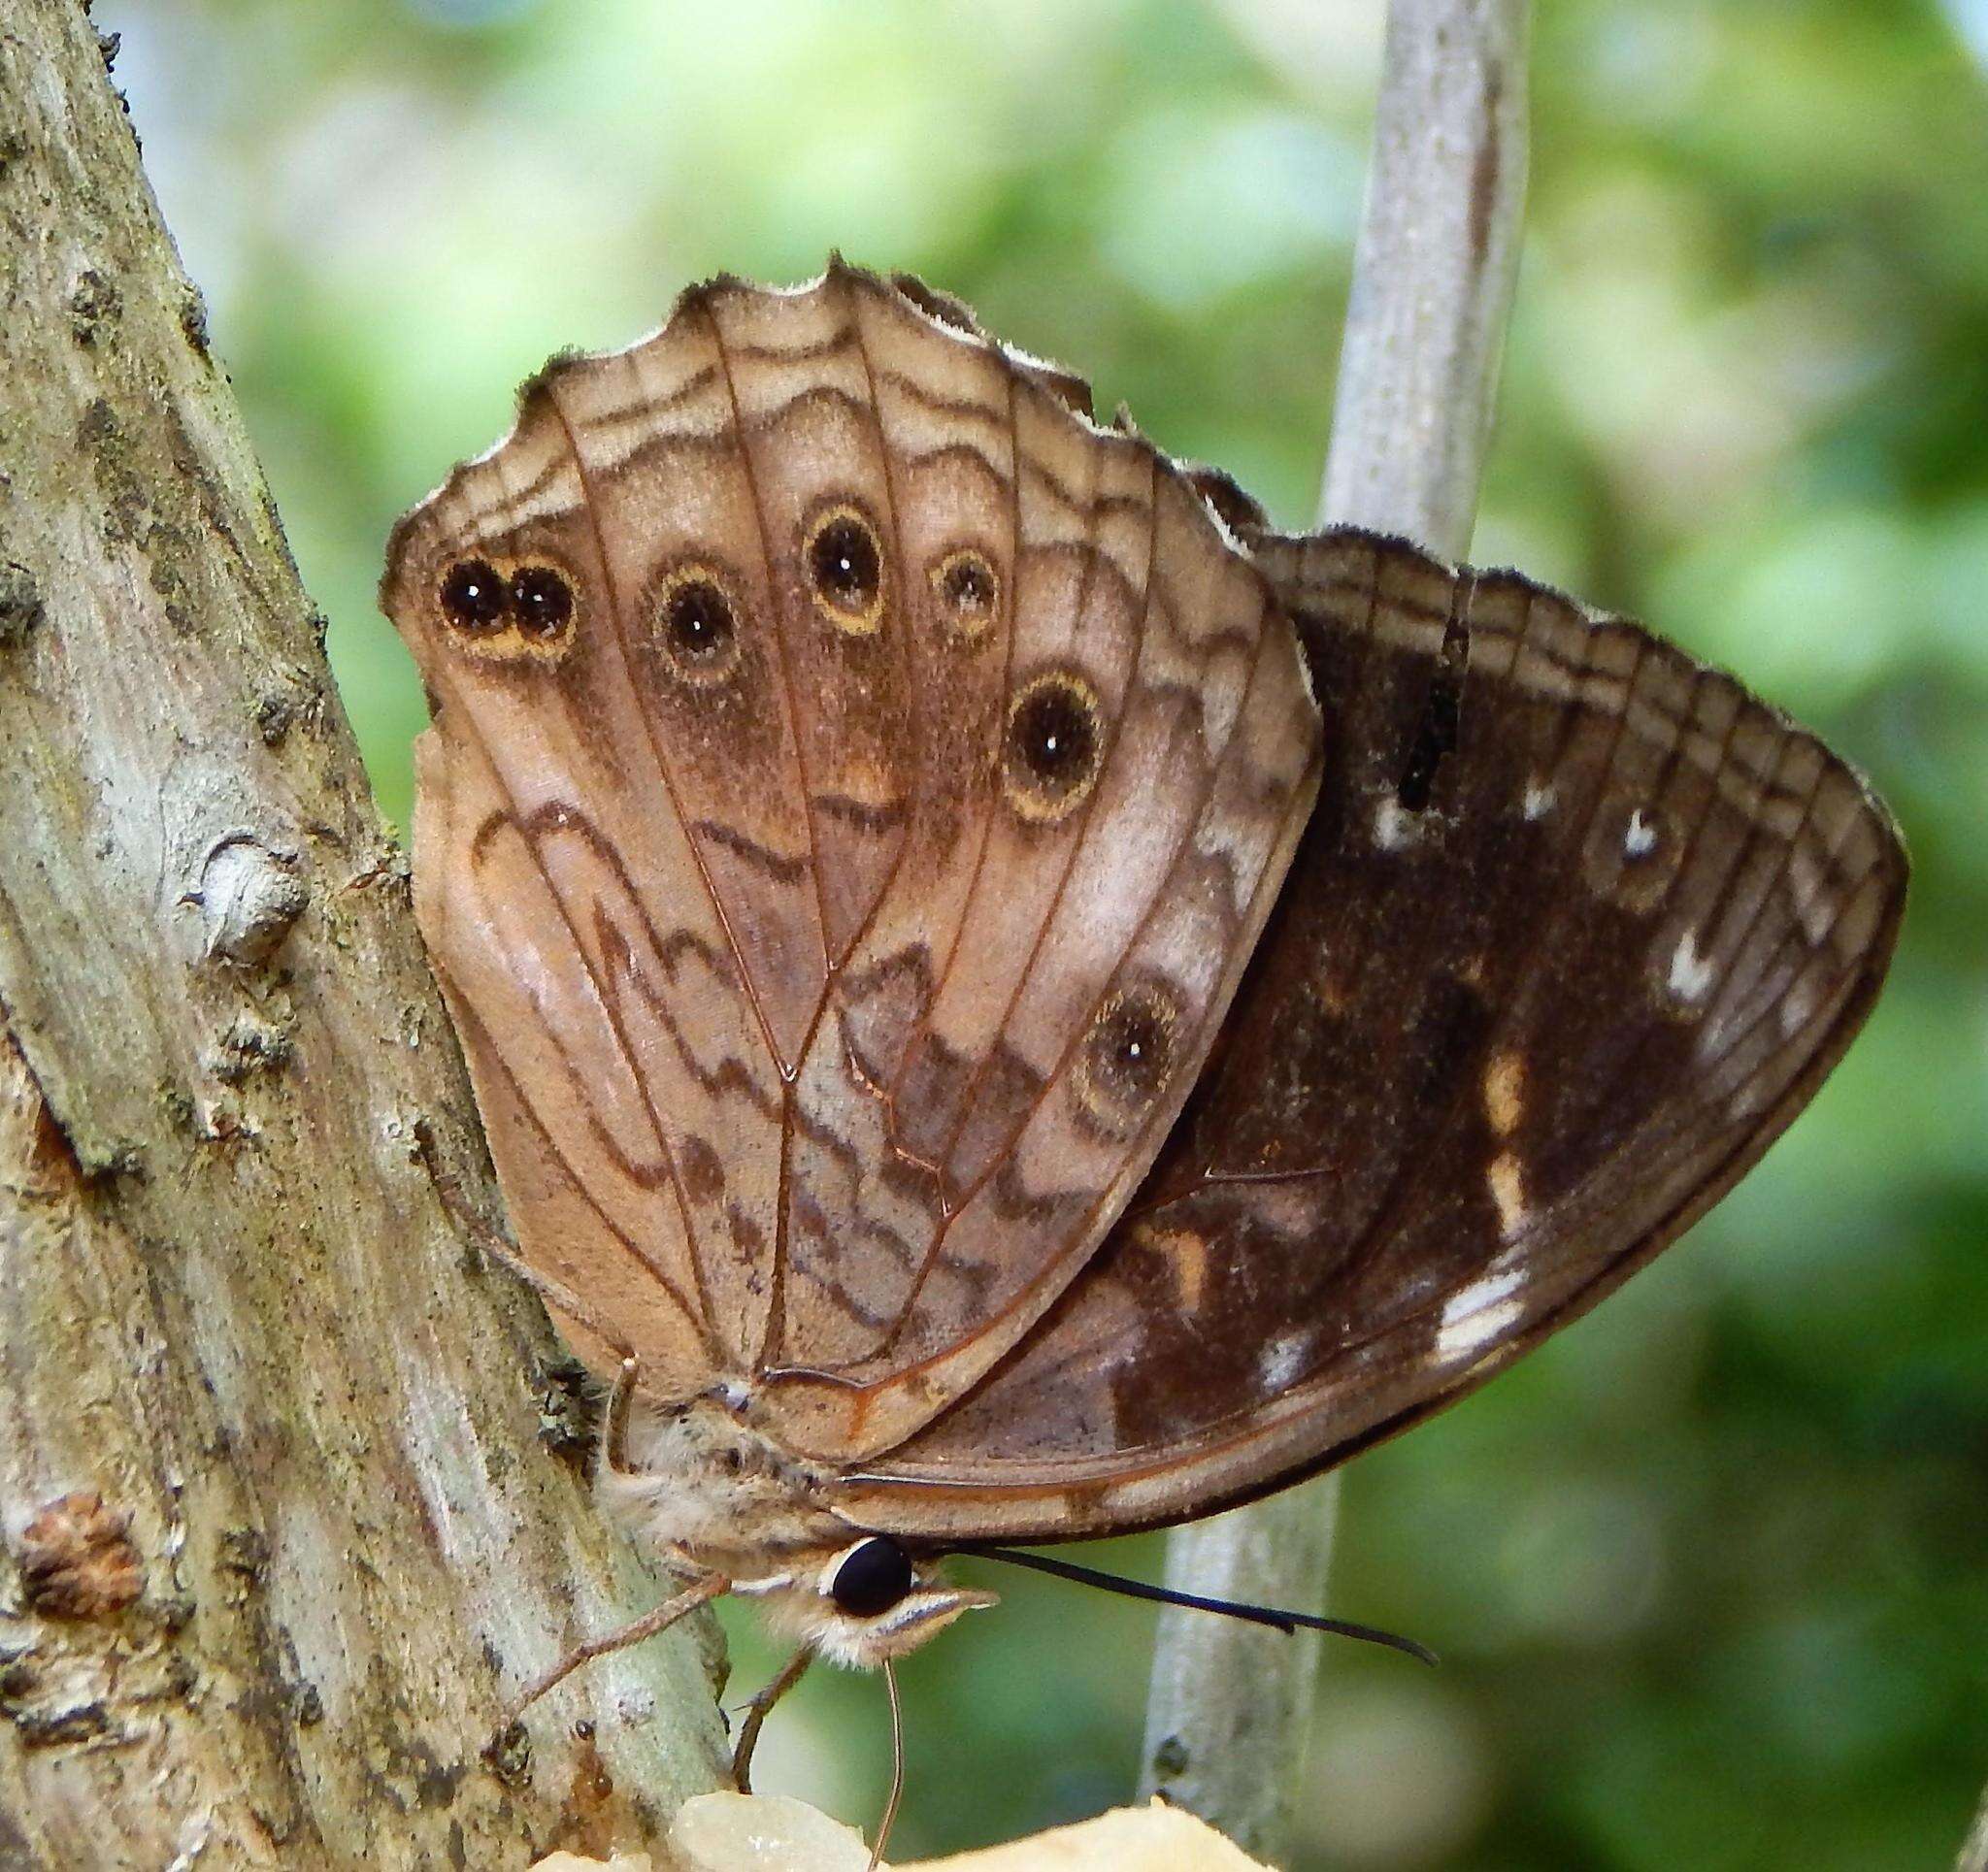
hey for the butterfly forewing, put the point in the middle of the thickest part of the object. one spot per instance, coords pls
(1575, 930)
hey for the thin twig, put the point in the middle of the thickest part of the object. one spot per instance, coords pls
(1975, 1848)
(1229, 1713)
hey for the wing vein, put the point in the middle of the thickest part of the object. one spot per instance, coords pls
(1070, 857)
(907, 638)
(779, 637)
(1522, 975)
(1063, 1061)
(998, 723)
(617, 609)
(530, 839)
(615, 1233)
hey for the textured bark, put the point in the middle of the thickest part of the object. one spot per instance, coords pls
(1229, 1715)
(282, 1517)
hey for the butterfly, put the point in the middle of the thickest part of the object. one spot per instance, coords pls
(1012, 1001)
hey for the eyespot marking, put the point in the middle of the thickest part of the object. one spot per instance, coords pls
(1124, 1064)
(531, 614)
(474, 598)
(1054, 746)
(542, 604)
(969, 592)
(845, 567)
(695, 625)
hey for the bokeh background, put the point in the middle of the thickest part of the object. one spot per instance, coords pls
(1711, 1571)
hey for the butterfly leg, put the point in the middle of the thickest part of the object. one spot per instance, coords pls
(615, 1426)
(657, 1618)
(756, 1709)
(497, 1247)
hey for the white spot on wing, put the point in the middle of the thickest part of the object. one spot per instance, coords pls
(1394, 825)
(1691, 973)
(1475, 1315)
(1282, 1362)
(1815, 907)
(1540, 800)
(1640, 837)
(1799, 1007)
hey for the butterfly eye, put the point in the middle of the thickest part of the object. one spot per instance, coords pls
(872, 1577)
(845, 566)
(697, 626)
(1054, 746)
(968, 590)
(1125, 1058)
(474, 598)
(543, 602)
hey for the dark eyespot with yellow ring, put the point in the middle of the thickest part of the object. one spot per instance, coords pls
(696, 625)
(969, 591)
(843, 563)
(527, 616)
(475, 599)
(1122, 1066)
(1054, 747)
(540, 603)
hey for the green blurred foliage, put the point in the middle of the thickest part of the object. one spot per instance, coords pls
(1711, 1571)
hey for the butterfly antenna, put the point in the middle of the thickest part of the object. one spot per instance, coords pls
(1265, 1615)
(897, 1768)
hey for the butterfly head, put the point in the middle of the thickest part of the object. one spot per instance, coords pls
(864, 1602)
(717, 1494)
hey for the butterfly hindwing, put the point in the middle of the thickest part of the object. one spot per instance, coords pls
(1114, 844)
(1576, 929)
(856, 785)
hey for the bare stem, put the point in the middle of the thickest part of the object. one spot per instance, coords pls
(1975, 1848)
(1230, 1710)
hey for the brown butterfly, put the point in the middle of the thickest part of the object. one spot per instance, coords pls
(1011, 1002)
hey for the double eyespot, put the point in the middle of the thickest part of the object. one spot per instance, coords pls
(843, 563)
(1054, 747)
(870, 1578)
(1125, 1059)
(531, 612)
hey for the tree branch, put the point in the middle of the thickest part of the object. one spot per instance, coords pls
(1229, 1715)
(282, 1523)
